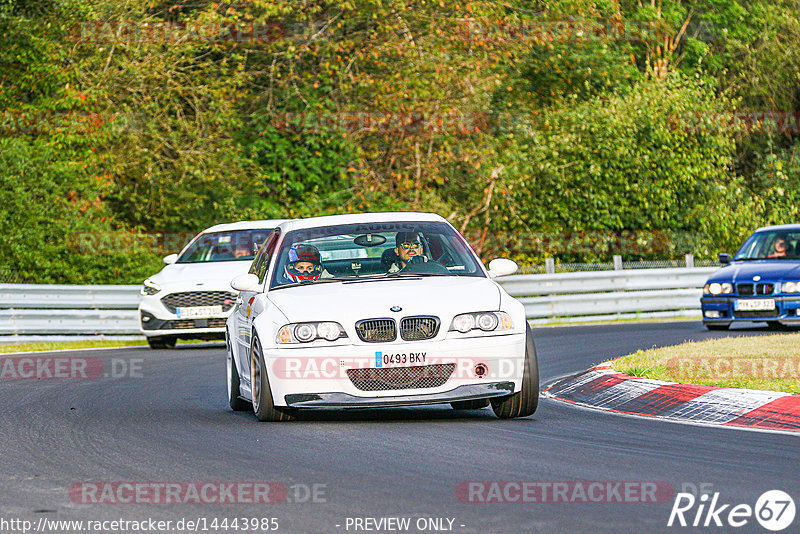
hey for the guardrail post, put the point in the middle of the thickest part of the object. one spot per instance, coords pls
(549, 266)
(617, 263)
(690, 261)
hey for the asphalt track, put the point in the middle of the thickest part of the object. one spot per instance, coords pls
(171, 423)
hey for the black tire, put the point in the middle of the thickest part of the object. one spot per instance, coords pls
(776, 325)
(162, 342)
(237, 403)
(263, 405)
(524, 402)
(470, 404)
(718, 326)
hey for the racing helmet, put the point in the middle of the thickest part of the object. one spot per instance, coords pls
(303, 254)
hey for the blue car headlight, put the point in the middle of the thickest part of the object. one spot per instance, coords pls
(790, 287)
(716, 288)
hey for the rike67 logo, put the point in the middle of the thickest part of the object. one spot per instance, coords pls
(774, 510)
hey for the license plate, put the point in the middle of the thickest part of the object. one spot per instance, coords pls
(755, 304)
(400, 359)
(198, 311)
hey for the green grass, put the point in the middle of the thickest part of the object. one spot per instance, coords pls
(759, 362)
(83, 344)
(590, 322)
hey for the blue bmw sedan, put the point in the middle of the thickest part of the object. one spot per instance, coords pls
(760, 283)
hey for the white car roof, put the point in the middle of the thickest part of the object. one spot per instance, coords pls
(245, 225)
(355, 218)
(779, 227)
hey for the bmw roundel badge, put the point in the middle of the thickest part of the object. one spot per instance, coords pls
(396, 308)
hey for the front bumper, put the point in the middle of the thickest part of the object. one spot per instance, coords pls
(719, 310)
(156, 320)
(319, 377)
(344, 400)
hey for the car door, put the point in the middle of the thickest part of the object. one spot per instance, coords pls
(244, 302)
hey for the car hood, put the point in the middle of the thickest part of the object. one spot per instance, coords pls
(347, 302)
(766, 269)
(216, 273)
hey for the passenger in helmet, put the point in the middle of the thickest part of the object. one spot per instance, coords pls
(305, 264)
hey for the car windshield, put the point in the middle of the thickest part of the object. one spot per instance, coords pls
(373, 251)
(772, 245)
(238, 245)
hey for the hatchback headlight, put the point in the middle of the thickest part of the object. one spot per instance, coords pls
(308, 332)
(790, 287)
(486, 321)
(150, 288)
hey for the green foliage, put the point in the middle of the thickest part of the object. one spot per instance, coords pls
(511, 119)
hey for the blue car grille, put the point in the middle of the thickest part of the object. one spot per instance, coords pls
(764, 288)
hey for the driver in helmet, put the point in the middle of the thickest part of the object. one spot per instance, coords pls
(305, 264)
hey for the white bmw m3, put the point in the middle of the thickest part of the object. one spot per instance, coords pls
(376, 310)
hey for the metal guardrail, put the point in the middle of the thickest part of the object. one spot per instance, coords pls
(586, 296)
(561, 297)
(42, 296)
(38, 309)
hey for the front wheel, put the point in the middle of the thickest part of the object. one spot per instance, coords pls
(777, 325)
(162, 342)
(263, 405)
(525, 401)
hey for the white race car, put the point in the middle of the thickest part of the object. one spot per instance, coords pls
(376, 310)
(191, 297)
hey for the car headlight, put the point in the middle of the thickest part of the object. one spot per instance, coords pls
(790, 287)
(308, 332)
(715, 288)
(727, 288)
(486, 321)
(150, 288)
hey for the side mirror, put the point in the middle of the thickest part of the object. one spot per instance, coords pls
(724, 259)
(172, 258)
(502, 267)
(245, 282)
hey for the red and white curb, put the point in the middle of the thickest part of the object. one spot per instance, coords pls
(602, 387)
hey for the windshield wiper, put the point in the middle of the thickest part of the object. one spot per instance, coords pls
(401, 274)
(776, 258)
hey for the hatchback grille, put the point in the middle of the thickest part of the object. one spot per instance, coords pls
(199, 298)
(376, 330)
(183, 324)
(418, 328)
(416, 377)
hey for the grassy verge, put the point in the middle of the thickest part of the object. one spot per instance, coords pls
(59, 345)
(589, 322)
(758, 362)
(83, 344)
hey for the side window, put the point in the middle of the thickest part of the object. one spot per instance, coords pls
(260, 264)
